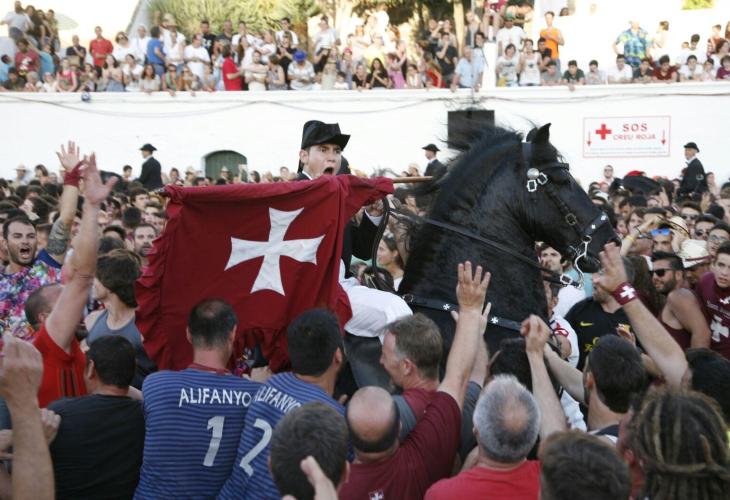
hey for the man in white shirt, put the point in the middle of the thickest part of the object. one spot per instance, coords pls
(469, 69)
(300, 72)
(173, 44)
(243, 31)
(690, 71)
(286, 28)
(139, 44)
(693, 50)
(510, 34)
(621, 72)
(326, 37)
(196, 56)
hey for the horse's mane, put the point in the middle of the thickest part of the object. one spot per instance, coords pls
(458, 192)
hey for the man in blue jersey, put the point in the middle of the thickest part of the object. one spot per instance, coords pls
(316, 353)
(194, 417)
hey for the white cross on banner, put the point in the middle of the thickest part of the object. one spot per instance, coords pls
(269, 275)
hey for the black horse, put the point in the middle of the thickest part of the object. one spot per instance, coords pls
(513, 193)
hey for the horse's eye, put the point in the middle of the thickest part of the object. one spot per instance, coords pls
(559, 175)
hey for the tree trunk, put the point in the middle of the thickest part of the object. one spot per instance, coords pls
(459, 24)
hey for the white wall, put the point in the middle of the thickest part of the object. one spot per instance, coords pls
(388, 127)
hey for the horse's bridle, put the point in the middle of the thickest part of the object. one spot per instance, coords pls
(536, 179)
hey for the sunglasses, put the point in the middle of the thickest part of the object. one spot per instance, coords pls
(661, 232)
(660, 272)
(689, 216)
(717, 239)
(700, 232)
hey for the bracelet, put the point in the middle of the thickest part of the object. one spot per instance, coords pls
(624, 293)
(631, 238)
(73, 176)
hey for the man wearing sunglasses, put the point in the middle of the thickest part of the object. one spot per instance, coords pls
(719, 234)
(681, 314)
(690, 212)
(703, 225)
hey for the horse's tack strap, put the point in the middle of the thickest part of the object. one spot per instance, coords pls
(440, 305)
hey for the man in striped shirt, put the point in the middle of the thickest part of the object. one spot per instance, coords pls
(316, 353)
(194, 417)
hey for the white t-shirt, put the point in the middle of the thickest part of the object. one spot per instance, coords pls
(196, 67)
(249, 38)
(689, 74)
(294, 37)
(270, 50)
(615, 75)
(530, 74)
(567, 298)
(507, 69)
(120, 53)
(19, 21)
(173, 49)
(513, 35)
(132, 83)
(325, 38)
(139, 47)
(701, 56)
(295, 71)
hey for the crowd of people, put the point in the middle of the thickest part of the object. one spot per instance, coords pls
(621, 391)
(370, 54)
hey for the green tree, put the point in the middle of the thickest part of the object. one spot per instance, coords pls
(698, 4)
(258, 14)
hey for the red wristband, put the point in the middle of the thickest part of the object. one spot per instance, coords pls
(624, 293)
(73, 176)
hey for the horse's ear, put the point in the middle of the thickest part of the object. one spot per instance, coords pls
(542, 135)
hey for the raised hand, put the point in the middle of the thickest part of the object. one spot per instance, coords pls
(95, 191)
(471, 290)
(613, 273)
(536, 334)
(20, 376)
(70, 156)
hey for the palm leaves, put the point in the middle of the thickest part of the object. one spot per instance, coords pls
(258, 14)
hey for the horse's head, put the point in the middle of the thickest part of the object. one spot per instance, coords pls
(560, 211)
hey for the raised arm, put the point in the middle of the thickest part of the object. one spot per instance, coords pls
(652, 335)
(20, 379)
(536, 334)
(471, 293)
(61, 231)
(66, 314)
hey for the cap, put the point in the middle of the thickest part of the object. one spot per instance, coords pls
(431, 147)
(693, 146)
(693, 253)
(300, 55)
(600, 195)
(509, 17)
(316, 132)
(21, 167)
(148, 147)
(190, 170)
(225, 169)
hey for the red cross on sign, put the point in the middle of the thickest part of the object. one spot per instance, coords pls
(603, 131)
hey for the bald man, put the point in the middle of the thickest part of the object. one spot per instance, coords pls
(385, 468)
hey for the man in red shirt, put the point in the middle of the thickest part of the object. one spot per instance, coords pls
(99, 48)
(713, 290)
(387, 469)
(507, 421)
(26, 60)
(665, 72)
(411, 354)
(231, 73)
(63, 361)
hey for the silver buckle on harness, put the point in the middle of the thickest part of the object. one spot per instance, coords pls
(565, 280)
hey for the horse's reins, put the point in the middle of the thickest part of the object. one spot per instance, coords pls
(536, 178)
